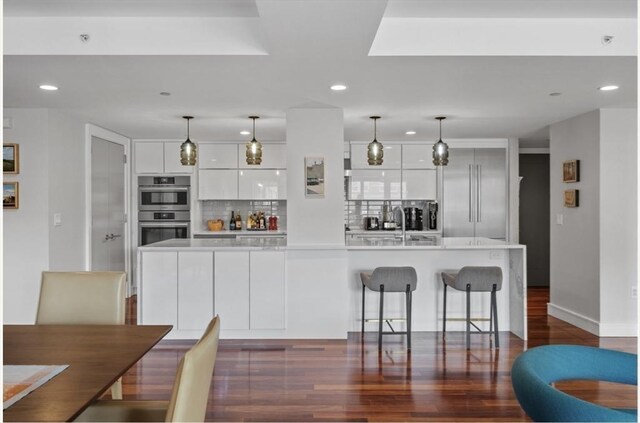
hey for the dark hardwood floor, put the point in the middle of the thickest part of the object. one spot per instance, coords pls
(348, 380)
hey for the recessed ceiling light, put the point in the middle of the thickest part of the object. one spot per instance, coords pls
(48, 87)
(609, 88)
(165, 93)
(245, 133)
(338, 87)
(555, 94)
(410, 132)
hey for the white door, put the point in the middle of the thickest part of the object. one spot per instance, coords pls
(107, 205)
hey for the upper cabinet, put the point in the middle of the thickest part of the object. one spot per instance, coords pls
(419, 184)
(274, 156)
(159, 157)
(375, 185)
(417, 156)
(262, 184)
(218, 156)
(217, 184)
(392, 158)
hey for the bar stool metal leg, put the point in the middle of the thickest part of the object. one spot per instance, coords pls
(444, 310)
(408, 298)
(495, 315)
(363, 288)
(468, 316)
(380, 321)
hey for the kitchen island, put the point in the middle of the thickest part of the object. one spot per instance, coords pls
(264, 288)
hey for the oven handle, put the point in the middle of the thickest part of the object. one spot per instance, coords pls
(163, 189)
(174, 224)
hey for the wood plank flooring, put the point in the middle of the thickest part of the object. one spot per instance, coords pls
(348, 380)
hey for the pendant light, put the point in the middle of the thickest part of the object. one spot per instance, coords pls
(188, 150)
(375, 150)
(440, 149)
(254, 148)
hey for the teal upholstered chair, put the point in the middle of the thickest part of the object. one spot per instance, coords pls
(534, 371)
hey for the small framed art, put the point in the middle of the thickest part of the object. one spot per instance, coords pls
(571, 197)
(10, 158)
(10, 195)
(571, 171)
(314, 177)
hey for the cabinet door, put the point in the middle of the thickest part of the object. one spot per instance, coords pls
(459, 194)
(419, 184)
(218, 156)
(217, 184)
(267, 290)
(375, 185)
(262, 184)
(195, 289)
(390, 160)
(159, 288)
(274, 156)
(417, 156)
(232, 288)
(149, 157)
(172, 159)
(491, 188)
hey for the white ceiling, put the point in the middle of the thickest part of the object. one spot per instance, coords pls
(313, 44)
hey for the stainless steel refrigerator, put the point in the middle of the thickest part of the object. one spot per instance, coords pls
(475, 193)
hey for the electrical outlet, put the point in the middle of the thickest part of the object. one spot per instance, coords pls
(634, 292)
(57, 219)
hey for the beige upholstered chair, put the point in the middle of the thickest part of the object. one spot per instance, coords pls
(190, 390)
(83, 298)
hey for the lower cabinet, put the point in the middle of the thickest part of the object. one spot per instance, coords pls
(187, 288)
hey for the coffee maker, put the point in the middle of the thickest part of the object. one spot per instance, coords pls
(432, 215)
(413, 219)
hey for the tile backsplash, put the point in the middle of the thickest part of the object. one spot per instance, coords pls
(221, 209)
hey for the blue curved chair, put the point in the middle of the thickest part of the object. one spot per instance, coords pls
(534, 370)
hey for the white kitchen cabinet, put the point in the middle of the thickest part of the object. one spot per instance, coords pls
(263, 184)
(419, 184)
(159, 288)
(195, 289)
(417, 156)
(159, 157)
(149, 157)
(375, 185)
(274, 156)
(232, 288)
(267, 302)
(217, 156)
(390, 160)
(217, 184)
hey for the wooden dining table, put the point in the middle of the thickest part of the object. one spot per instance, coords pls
(97, 356)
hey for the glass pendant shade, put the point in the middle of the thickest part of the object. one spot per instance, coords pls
(440, 149)
(375, 150)
(254, 148)
(188, 150)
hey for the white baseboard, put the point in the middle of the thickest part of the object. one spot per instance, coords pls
(593, 326)
(576, 319)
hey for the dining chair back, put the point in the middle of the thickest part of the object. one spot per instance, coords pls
(90, 298)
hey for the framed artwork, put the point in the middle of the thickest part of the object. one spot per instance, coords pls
(314, 177)
(571, 198)
(10, 158)
(10, 195)
(571, 171)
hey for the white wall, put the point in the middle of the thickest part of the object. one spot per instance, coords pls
(618, 221)
(51, 181)
(593, 253)
(26, 230)
(66, 191)
(315, 132)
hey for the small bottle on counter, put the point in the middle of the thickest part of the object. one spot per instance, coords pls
(262, 222)
(238, 221)
(232, 222)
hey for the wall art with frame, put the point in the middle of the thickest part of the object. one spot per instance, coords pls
(10, 195)
(10, 158)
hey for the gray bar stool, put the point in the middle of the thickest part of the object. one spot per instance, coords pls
(478, 279)
(390, 279)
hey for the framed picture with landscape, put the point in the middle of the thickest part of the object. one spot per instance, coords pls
(314, 177)
(10, 195)
(10, 158)
(571, 171)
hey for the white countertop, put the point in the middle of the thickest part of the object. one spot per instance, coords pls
(243, 232)
(430, 242)
(208, 244)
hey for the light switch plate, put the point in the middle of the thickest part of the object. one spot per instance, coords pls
(559, 219)
(57, 219)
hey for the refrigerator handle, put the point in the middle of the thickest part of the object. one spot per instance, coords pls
(470, 194)
(478, 191)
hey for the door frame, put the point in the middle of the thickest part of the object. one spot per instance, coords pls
(107, 135)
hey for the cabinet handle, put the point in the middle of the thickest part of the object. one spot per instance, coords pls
(470, 199)
(478, 187)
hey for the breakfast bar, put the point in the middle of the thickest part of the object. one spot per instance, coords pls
(265, 288)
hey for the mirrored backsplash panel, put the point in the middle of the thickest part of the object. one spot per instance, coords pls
(221, 209)
(355, 211)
